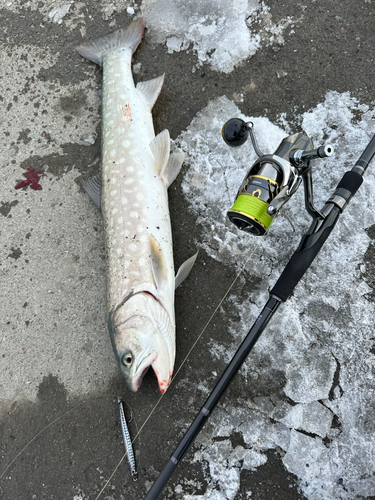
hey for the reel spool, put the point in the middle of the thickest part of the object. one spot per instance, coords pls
(272, 179)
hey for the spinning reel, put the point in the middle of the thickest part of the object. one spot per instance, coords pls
(273, 178)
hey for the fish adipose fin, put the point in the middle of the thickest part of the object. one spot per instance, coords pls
(129, 37)
(159, 268)
(184, 270)
(93, 187)
(167, 166)
(151, 89)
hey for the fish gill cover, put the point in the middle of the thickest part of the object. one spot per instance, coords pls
(324, 430)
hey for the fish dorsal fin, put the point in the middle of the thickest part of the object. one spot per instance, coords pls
(159, 268)
(151, 89)
(160, 147)
(93, 187)
(173, 167)
(184, 270)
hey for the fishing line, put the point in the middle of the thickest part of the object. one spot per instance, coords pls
(185, 359)
(160, 398)
(56, 420)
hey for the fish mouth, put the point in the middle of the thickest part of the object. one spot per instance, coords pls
(162, 378)
(142, 369)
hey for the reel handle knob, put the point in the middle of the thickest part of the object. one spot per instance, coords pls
(235, 132)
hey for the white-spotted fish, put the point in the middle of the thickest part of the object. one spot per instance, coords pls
(131, 192)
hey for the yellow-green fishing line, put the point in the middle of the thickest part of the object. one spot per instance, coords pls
(254, 208)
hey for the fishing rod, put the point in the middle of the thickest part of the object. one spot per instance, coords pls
(268, 185)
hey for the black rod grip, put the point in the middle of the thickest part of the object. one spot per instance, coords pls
(303, 257)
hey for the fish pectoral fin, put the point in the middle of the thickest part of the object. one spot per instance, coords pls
(159, 268)
(184, 270)
(151, 89)
(160, 147)
(93, 187)
(173, 167)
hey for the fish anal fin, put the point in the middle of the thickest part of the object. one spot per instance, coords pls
(173, 167)
(151, 89)
(184, 270)
(93, 187)
(159, 268)
(160, 147)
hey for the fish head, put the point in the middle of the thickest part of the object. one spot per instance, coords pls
(138, 344)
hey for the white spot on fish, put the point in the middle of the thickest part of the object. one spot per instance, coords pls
(130, 169)
(126, 144)
(113, 152)
(132, 247)
(113, 180)
(111, 141)
(110, 122)
(120, 220)
(118, 250)
(142, 261)
(140, 229)
(113, 192)
(140, 196)
(130, 180)
(124, 201)
(134, 215)
(114, 210)
(121, 160)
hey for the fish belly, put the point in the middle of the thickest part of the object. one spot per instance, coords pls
(134, 197)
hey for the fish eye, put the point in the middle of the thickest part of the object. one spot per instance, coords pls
(127, 359)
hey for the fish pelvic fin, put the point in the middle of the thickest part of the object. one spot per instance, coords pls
(160, 147)
(167, 166)
(173, 167)
(151, 89)
(184, 270)
(129, 37)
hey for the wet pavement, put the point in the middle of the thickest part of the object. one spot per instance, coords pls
(60, 436)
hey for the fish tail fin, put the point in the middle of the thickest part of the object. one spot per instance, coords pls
(129, 37)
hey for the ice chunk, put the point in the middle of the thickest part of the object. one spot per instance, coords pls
(310, 379)
(305, 456)
(58, 13)
(219, 31)
(310, 417)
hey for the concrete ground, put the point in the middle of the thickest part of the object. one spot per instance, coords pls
(58, 373)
